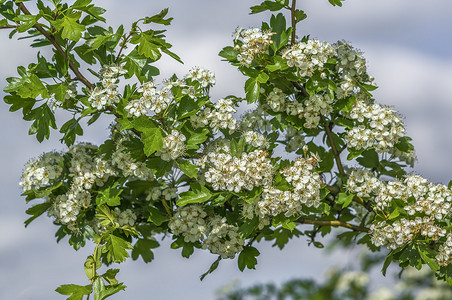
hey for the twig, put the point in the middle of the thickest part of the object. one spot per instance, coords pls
(332, 223)
(294, 22)
(51, 38)
(333, 146)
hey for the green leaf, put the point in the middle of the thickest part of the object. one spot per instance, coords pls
(17, 102)
(143, 248)
(27, 21)
(159, 18)
(262, 77)
(160, 166)
(109, 196)
(252, 90)
(196, 194)
(110, 276)
(369, 159)
(187, 107)
(278, 24)
(250, 196)
(43, 119)
(229, 53)
(116, 248)
(212, 268)
(195, 137)
(58, 91)
(69, 26)
(282, 236)
(187, 247)
(101, 292)
(76, 292)
(36, 210)
(336, 2)
(188, 168)
(156, 217)
(172, 54)
(90, 266)
(153, 140)
(249, 226)
(404, 144)
(266, 5)
(344, 199)
(140, 66)
(107, 148)
(70, 129)
(29, 86)
(147, 45)
(247, 258)
(299, 15)
(425, 255)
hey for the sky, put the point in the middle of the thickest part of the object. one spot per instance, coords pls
(407, 44)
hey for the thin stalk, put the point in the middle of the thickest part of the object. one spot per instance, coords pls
(332, 223)
(294, 22)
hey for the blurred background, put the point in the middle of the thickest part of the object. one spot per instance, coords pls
(408, 45)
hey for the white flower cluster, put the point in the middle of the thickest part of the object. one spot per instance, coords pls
(277, 100)
(157, 192)
(400, 232)
(444, 256)
(204, 77)
(39, 173)
(309, 56)
(194, 225)
(255, 139)
(151, 99)
(306, 191)
(294, 139)
(223, 239)
(313, 108)
(173, 146)
(129, 166)
(86, 169)
(350, 61)
(107, 94)
(189, 221)
(126, 217)
(220, 117)
(425, 201)
(433, 200)
(155, 100)
(66, 207)
(255, 42)
(226, 172)
(381, 127)
(256, 120)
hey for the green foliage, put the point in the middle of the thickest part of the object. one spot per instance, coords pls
(196, 194)
(116, 248)
(175, 154)
(76, 292)
(247, 258)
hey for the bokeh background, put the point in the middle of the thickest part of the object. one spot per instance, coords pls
(408, 45)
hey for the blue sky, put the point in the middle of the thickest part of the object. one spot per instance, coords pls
(408, 46)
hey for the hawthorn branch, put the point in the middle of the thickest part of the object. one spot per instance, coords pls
(9, 26)
(294, 22)
(337, 158)
(73, 67)
(301, 88)
(334, 190)
(332, 223)
(57, 46)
